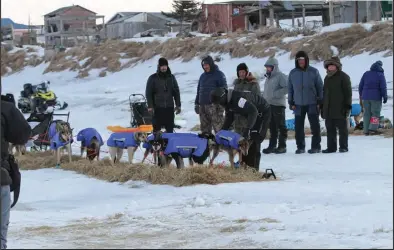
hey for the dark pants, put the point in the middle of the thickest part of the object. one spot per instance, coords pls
(332, 125)
(261, 125)
(313, 117)
(278, 124)
(163, 117)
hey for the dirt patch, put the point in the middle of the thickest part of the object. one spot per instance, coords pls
(123, 172)
(232, 229)
(265, 42)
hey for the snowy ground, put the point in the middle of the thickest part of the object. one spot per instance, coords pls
(99, 102)
(319, 203)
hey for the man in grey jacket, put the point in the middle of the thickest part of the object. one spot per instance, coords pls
(275, 90)
(305, 96)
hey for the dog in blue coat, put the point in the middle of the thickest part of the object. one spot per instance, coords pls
(117, 142)
(168, 146)
(233, 144)
(196, 148)
(92, 141)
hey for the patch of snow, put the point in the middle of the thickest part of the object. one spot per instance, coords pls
(83, 61)
(291, 39)
(334, 50)
(223, 41)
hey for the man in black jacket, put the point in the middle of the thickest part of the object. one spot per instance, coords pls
(257, 111)
(161, 92)
(16, 130)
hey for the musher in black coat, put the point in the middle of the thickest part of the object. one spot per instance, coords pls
(161, 92)
(16, 130)
(257, 111)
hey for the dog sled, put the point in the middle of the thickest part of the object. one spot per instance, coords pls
(40, 133)
(141, 118)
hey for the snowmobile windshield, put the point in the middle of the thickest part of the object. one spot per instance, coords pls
(42, 87)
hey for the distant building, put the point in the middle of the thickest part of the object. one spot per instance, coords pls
(64, 26)
(128, 24)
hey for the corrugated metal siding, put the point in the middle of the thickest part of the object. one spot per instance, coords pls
(130, 29)
(347, 15)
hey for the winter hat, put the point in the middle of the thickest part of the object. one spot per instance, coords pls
(163, 62)
(242, 66)
(377, 66)
(301, 55)
(333, 61)
(271, 62)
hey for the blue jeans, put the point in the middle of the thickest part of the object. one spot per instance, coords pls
(5, 214)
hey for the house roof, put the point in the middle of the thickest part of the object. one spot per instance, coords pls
(127, 15)
(62, 9)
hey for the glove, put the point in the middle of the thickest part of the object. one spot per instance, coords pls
(246, 133)
(177, 110)
(197, 109)
(385, 100)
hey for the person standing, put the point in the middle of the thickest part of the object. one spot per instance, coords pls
(161, 92)
(14, 129)
(255, 109)
(245, 82)
(305, 95)
(372, 90)
(275, 91)
(337, 105)
(211, 115)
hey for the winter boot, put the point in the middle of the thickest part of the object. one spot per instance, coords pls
(314, 151)
(328, 151)
(300, 151)
(280, 150)
(269, 150)
(343, 150)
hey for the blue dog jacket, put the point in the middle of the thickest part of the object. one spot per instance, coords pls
(186, 147)
(228, 139)
(122, 140)
(167, 136)
(54, 138)
(87, 134)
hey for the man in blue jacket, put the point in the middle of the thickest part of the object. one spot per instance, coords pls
(211, 115)
(305, 96)
(372, 90)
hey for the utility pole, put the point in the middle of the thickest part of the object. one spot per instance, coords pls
(331, 12)
(356, 11)
(368, 8)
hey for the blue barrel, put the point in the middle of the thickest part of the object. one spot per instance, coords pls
(356, 109)
(290, 124)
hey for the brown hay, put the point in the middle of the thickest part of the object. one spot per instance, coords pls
(264, 43)
(123, 172)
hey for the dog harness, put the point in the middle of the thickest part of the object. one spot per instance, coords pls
(122, 140)
(186, 147)
(228, 139)
(86, 135)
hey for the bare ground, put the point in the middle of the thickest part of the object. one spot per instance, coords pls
(266, 42)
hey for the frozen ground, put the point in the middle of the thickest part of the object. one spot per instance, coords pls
(320, 202)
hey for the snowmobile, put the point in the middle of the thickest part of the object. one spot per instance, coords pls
(38, 97)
